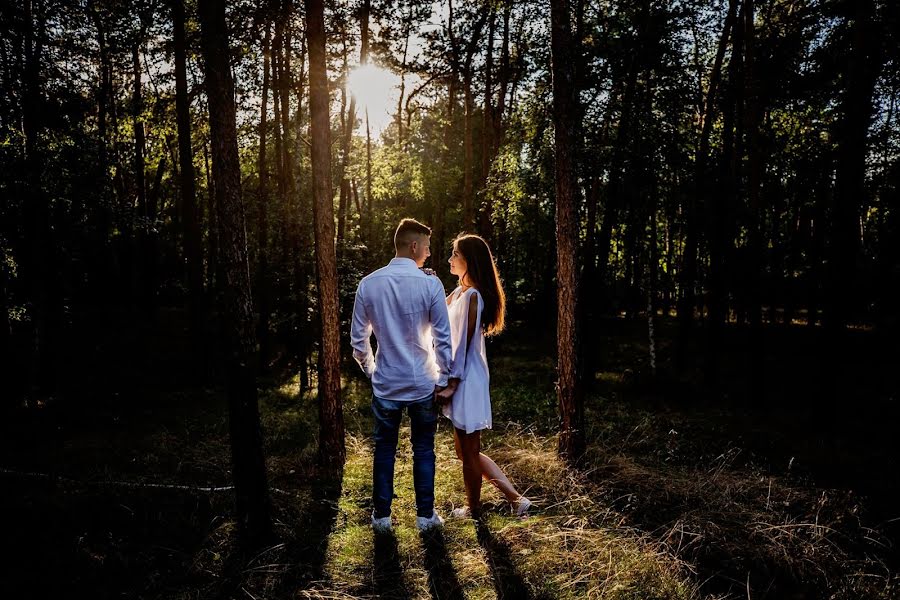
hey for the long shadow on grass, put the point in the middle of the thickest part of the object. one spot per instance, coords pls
(306, 551)
(442, 580)
(388, 574)
(507, 582)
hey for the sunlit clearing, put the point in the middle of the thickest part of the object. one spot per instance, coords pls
(376, 89)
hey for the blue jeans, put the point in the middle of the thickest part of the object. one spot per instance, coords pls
(423, 422)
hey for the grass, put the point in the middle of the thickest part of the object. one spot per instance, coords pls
(572, 548)
(670, 502)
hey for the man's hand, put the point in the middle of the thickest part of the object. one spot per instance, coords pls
(444, 395)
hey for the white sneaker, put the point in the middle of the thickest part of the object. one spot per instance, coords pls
(462, 512)
(382, 525)
(426, 523)
(522, 506)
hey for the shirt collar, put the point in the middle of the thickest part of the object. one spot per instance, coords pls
(402, 261)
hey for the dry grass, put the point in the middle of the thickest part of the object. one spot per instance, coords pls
(572, 548)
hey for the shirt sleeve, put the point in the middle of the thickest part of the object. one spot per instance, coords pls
(440, 331)
(361, 334)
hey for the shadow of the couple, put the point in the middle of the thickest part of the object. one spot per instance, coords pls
(442, 580)
(388, 574)
(507, 581)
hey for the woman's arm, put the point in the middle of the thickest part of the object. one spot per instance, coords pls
(473, 318)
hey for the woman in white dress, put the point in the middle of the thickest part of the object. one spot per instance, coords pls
(476, 310)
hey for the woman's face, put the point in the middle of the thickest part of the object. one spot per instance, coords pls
(458, 265)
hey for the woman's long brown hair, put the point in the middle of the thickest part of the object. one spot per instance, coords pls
(481, 271)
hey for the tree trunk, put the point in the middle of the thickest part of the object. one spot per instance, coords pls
(193, 253)
(212, 235)
(756, 242)
(284, 89)
(302, 238)
(468, 153)
(363, 60)
(263, 281)
(7, 369)
(40, 261)
(235, 305)
(503, 84)
(862, 65)
(688, 273)
(717, 208)
(468, 125)
(565, 109)
(346, 144)
(406, 33)
(487, 130)
(652, 277)
(139, 274)
(331, 418)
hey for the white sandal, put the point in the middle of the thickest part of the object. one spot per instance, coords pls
(521, 506)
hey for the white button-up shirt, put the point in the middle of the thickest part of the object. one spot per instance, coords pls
(407, 311)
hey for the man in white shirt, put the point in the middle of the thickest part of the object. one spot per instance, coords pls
(406, 310)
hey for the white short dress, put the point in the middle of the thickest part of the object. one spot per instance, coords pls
(470, 408)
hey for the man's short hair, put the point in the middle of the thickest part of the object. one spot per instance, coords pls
(407, 231)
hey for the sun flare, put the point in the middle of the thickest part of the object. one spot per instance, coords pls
(375, 89)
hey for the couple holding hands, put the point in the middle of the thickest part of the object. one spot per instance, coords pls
(431, 354)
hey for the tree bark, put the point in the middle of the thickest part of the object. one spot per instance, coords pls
(468, 152)
(193, 253)
(263, 282)
(716, 208)
(565, 109)
(40, 262)
(487, 130)
(346, 144)
(755, 166)
(861, 69)
(235, 304)
(331, 418)
(468, 125)
(688, 272)
(140, 275)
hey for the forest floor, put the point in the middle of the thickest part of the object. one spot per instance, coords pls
(126, 495)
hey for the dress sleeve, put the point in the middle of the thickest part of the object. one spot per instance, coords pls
(470, 318)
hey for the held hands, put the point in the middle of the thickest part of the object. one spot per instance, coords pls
(444, 395)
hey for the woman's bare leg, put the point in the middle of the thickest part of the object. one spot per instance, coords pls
(492, 473)
(470, 448)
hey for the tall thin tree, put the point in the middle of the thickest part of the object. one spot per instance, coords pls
(569, 397)
(193, 253)
(235, 304)
(331, 416)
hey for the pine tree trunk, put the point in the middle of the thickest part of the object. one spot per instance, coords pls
(862, 65)
(468, 152)
(718, 206)
(263, 282)
(503, 83)
(235, 304)
(139, 273)
(487, 131)
(715, 210)
(756, 242)
(193, 252)
(346, 140)
(40, 261)
(569, 396)
(302, 238)
(331, 418)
